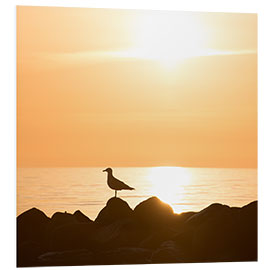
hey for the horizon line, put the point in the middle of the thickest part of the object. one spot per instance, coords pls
(119, 166)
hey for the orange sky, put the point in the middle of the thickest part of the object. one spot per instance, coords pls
(99, 87)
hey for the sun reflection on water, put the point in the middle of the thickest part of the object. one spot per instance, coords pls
(168, 184)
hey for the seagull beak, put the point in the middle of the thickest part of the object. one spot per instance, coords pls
(104, 171)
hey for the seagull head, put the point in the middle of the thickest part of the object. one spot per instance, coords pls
(108, 170)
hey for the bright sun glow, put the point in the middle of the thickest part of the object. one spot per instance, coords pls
(168, 183)
(169, 38)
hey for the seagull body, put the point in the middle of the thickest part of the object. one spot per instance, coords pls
(114, 183)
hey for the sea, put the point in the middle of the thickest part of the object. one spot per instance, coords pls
(184, 189)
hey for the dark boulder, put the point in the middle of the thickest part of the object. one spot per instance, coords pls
(184, 241)
(179, 221)
(31, 228)
(153, 213)
(168, 252)
(155, 238)
(214, 210)
(151, 233)
(122, 233)
(208, 234)
(31, 225)
(114, 210)
(28, 252)
(221, 233)
(214, 239)
(125, 255)
(60, 218)
(73, 236)
(247, 233)
(67, 258)
(80, 217)
(248, 214)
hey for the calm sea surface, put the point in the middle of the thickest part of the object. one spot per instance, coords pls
(185, 189)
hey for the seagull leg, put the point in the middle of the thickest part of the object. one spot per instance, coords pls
(115, 195)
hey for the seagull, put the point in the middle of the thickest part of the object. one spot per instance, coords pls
(114, 183)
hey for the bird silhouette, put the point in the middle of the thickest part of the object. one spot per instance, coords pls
(114, 183)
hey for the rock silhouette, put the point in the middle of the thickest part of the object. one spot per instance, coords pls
(151, 233)
(30, 225)
(153, 213)
(115, 209)
(73, 236)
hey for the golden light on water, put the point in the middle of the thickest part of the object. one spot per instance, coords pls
(168, 183)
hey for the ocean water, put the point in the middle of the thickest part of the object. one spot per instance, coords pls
(185, 189)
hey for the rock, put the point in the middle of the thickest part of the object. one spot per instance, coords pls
(31, 225)
(114, 210)
(73, 236)
(249, 214)
(27, 253)
(80, 217)
(31, 228)
(215, 210)
(153, 213)
(214, 239)
(184, 241)
(247, 233)
(180, 219)
(157, 237)
(59, 219)
(151, 233)
(225, 234)
(207, 234)
(125, 255)
(167, 253)
(122, 233)
(67, 258)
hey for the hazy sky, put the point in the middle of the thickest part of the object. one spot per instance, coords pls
(99, 87)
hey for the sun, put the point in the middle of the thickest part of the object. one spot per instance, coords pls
(169, 37)
(168, 183)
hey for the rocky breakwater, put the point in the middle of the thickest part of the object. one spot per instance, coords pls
(151, 233)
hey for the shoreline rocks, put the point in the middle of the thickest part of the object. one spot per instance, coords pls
(151, 233)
